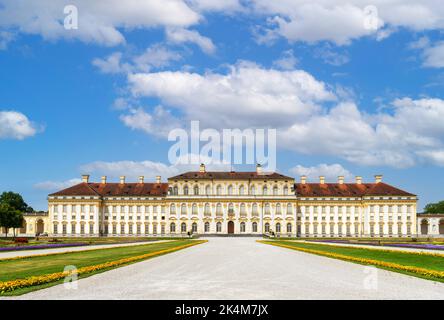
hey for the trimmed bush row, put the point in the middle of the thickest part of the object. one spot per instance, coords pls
(8, 286)
(394, 266)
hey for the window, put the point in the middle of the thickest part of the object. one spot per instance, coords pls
(219, 190)
(265, 191)
(162, 229)
(185, 190)
(172, 227)
(64, 229)
(183, 209)
(267, 208)
(267, 227)
(254, 226)
(56, 209)
(288, 227)
(219, 227)
(154, 228)
(252, 190)
(230, 190)
(243, 211)
(183, 227)
(114, 229)
(289, 209)
(219, 209)
(254, 209)
(207, 227)
(73, 228)
(147, 228)
(91, 228)
(194, 209)
(138, 228)
(194, 227)
(278, 209)
(241, 190)
(122, 229)
(175, 190)
(242, 227)
(196, 190)
(285, 190)
(55, 229)
(208, 190)
(173, 209)
(275, 191)
(207, 210)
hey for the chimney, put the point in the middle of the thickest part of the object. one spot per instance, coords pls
(321, 179)
(103, 179)
(122, 179)
(141, 179)
(358, 180)
(258, 169)
(378, 178)
(202, 168)
(158, 179)
(85, 178)
(303, 179)
(341, 179)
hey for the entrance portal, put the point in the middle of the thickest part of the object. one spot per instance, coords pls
(230, 227)
(40, 226)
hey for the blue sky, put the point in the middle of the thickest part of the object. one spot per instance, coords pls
(345, 99)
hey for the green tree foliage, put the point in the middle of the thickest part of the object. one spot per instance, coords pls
(14, 200)
(12, 207)
(434, 207)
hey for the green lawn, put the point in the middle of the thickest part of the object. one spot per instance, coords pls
(429, 262)
(33, 266)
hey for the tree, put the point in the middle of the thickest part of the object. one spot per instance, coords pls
(434, 207)
(10, 218)
(14, 200)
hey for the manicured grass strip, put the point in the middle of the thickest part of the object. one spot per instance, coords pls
(105, 257)
(429, 266)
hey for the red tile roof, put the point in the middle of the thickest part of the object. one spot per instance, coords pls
(229, 175)
(348, 190)
(115, 189)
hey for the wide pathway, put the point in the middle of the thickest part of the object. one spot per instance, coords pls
(25, 253)
(240, 268)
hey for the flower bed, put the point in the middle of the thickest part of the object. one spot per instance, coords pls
(389, 265)
(42, 246)
(8, 286)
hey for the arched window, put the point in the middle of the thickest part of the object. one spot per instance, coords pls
(230, 190)
(265, 191)
(424, 226)
(289, 227)
(219, 209)
(242, 227)
(242, 208)
(207, 209)
(175, 190)
(207, 227)
(241, 190)
(267, 208)
(173, 209)
(194, 209)
(289, 208)
(196, 190)
(183, 227)
(285, 190)
(254, 208)
(194, 227)
(267, 227)
(219, 190)
(254, 226)
(230, 208)
(252, 190)
(278, 208)
(183, 209)
(219, 227)
(207, 190)
(172, 227)
(275, 190)
(185, 190)
(278, 227)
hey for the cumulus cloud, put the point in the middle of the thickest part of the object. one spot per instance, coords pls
(99, 21)
(246, 94)
(287, 61)
(330, 171)
(15, 125)
(346, 20)
(181, 35)
(434, 55)
(56, 185)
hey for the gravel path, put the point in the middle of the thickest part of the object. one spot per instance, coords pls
(240, 268)
(25, 253)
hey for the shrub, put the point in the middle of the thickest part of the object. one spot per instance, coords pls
(21, 240)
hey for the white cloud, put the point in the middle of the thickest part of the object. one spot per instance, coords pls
(181, 35)
(342, 21)
(329, 171)
(150, 169)
(5, 38)
(434, 55)
(159, 123)
(56, 185)
(216, 5)
(15, 125)
(287, 61)
(246, 95)
(99, 21)
(330, 56)
(111, 64)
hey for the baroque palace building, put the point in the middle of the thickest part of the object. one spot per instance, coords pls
(241, 203)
